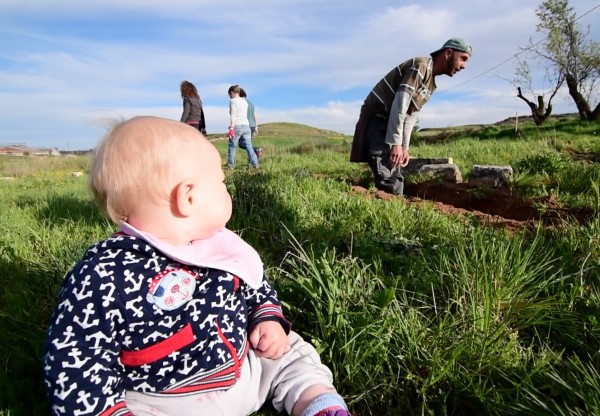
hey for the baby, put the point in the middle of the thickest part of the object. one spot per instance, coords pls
(172, 315)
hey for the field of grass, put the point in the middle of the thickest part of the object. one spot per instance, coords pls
(415, 312)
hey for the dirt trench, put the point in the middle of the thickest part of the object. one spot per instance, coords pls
(493, 206)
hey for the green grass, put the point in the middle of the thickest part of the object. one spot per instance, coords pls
(415, 312)
(25, 166)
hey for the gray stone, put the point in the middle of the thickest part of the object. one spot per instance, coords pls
(415, 164)
(448, 172)
(490, 175)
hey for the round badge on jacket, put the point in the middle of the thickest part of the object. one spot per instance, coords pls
(171, 289)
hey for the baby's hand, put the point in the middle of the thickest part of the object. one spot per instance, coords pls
(269, 340)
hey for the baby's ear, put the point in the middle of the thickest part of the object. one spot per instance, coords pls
(183, 198)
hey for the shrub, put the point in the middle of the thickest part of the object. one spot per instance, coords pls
(550, 164)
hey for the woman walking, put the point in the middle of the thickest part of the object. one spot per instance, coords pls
(239, 128)
(193, 114)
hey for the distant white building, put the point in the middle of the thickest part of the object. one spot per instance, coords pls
(23, 150)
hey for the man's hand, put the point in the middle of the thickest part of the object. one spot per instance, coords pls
(398, 156)
(406, 158)
(269, 340)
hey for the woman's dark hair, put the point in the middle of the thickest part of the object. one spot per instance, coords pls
(188, 90)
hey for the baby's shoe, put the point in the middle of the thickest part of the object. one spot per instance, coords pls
(335, 412)
(327, 404)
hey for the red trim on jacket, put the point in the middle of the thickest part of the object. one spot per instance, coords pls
(205, 384)
(114, 409)
(232, 351)
(159, 350)
(278, 313)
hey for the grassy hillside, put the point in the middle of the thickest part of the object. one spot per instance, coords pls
(299, 131)
(415, 311)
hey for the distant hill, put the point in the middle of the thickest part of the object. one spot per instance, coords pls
(294, 129)
(285, 130)
(528, 119)
(305, 131)
(511, 121)
(23, 150)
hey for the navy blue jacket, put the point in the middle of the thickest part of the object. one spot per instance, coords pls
(130, 318)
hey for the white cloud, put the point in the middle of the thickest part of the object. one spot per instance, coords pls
(335, 115)
(66, 65)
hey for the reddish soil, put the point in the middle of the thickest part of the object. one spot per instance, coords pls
(497, 206)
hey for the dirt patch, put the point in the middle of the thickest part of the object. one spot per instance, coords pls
(586, 156)
(497, 206)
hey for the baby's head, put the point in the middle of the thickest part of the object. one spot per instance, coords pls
(149, 169)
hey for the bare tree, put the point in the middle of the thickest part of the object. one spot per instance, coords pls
(524, 80)
(575, 58)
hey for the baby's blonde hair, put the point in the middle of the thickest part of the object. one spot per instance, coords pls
(137, 160)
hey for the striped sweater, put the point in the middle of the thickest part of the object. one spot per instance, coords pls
(414, 77)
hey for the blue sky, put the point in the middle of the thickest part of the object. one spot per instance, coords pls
(67, 67)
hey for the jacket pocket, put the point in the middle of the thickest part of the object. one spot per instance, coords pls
(159, 350)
